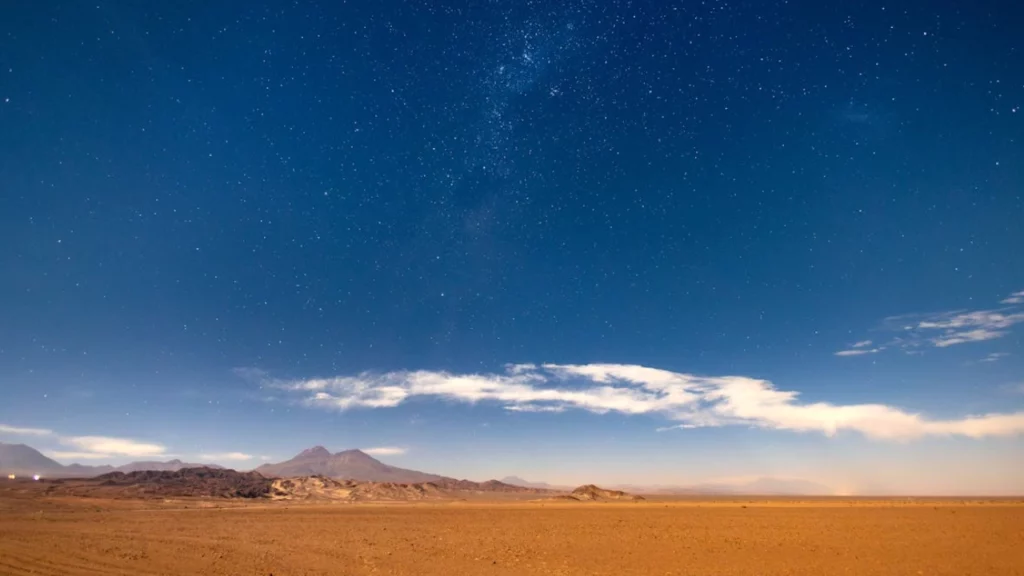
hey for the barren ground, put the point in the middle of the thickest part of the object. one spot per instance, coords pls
(684, 537)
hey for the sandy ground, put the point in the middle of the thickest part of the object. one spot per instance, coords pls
(76, 536)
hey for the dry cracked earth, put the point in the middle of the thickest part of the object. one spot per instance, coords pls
(68, 535)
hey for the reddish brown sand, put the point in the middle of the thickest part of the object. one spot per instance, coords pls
(76, 536)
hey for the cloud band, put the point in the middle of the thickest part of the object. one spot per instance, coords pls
(687, 400)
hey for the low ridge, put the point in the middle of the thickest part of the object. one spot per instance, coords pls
(220, 483)
(192, 482)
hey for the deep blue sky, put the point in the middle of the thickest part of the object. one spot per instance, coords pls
(204, 205)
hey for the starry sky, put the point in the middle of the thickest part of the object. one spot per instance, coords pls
(617, 241)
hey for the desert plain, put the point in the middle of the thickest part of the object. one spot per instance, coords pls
(44, 534)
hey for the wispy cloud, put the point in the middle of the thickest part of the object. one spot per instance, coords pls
(266, 458)
(988, 319)
(22, 431)
(113, 446)
(530, 408)
(944, 329)
(61, 455)
(385, 451)
(686, 400)
(677, 427)
(858, 351)
(995, 356)
(222, 456)
(1015, 298)
(952, 338)
(90, 447)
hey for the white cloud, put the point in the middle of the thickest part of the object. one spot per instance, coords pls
(861, 344)
(858, 351)
(266, 458)
(685, 399)
(385, 451)
(529, 408)
(994, 356)
(988, 319)
(5, 429)
(90, 447)
(965, 336)
(1015, 298)
(233, 456)
(60, 455)
(113, 446)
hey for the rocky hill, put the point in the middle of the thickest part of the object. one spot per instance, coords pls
(488, 486)
(591, 493)
(322, 488)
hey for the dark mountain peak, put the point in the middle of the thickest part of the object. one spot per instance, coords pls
(349, 464)
(314, 452)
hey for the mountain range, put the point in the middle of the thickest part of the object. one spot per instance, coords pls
(360, 466)
(348, 464)
(765, 486)
(357, 465)
(517, 481)
(24, 460)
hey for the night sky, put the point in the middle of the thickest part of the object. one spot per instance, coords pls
(654, 242)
